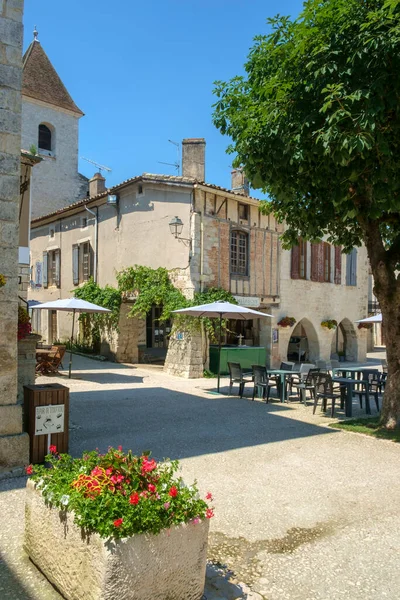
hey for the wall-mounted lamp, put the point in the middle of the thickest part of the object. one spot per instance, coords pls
(176, 227)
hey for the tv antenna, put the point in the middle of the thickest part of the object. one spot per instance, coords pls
(100, 167)
(176, 164)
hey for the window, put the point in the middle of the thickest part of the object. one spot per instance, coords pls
(44, 138)
(52, 232)
(299, 260)
(82, 262)
(243, 211)
(327, 262)
(239, 251)
(51, 268)
(140, 190)
(84, 222)
(351, 267)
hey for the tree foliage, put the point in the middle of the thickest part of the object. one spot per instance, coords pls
(108, 297)
(315, 121)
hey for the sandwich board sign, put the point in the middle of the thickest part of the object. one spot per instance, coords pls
(49, 419)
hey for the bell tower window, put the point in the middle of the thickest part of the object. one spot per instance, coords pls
(44, 138)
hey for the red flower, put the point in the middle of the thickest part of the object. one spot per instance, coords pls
(148, 465)
(152, 488)
(118, 522)
(96, 472)
(109, 471)
(120, 448)
(134, 498)
(209, 496)
(173, 492)
(52, 449)
(209, 513)
(29, 470)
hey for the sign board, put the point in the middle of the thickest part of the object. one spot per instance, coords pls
(180, 335)
(275, 336)
(39, 278)
(49, 419)
(248, 301)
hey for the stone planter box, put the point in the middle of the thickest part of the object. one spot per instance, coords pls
(170, 565)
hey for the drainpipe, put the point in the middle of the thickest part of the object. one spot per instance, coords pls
(201, 253)
(96, 225)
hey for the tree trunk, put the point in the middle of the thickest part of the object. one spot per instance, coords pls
(387, 290)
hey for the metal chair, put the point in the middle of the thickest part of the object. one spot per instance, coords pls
(324, 390)
(307, 384)
(261, 381)
(236, 376)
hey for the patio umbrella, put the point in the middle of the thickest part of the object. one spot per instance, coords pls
(222, 310)
(374, 319)
(74, 305)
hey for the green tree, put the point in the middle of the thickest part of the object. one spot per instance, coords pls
(316, 124)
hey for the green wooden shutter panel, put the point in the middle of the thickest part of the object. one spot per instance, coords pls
(44, 270)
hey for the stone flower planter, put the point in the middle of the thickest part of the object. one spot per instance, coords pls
(170, 565)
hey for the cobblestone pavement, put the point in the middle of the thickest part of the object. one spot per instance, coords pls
(303, 512)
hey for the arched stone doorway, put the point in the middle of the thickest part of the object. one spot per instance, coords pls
(344, 341)
(303, 344)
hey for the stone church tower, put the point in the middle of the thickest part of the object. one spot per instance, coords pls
(50, 122)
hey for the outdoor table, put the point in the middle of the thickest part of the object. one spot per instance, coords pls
(283, 373)
(349, 385)
(341, 371)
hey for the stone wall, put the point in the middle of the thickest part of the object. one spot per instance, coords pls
(26, 363)
(14, 444)
(187, 354)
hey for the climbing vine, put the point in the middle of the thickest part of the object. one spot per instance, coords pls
(95, 323)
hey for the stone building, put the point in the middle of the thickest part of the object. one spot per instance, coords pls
(14, 444)
(50, 123)
(225, 242)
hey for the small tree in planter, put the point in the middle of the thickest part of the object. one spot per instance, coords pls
(123, 526)
(287, 322)
(329, 324)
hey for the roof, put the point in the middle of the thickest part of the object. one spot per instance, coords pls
(41, 81)
(145, 177)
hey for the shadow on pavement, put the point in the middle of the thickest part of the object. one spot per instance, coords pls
(10, 586)
(177, 425)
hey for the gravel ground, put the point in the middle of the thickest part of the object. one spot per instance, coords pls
(303, 512)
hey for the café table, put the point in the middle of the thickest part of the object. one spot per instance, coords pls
(349, 383)
(341, 371)
(283, 373)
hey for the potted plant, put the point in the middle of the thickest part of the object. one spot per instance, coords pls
(116, 525)
(365, 326)
(287, 322)
(24, 324)
(329, 324)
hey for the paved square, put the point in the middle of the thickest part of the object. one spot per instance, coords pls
(303, 512)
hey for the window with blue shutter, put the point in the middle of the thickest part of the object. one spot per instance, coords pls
(351, 268)
(75, 264)
(45, 270)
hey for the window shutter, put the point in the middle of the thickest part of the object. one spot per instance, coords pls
(57, 257)
(75, 264)
(45, 271)
(295, 273)
(338, 265)
(314, 262)
(91, 261)
(353, 273)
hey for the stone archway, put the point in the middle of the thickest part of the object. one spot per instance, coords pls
(305, 338)
(344, 340)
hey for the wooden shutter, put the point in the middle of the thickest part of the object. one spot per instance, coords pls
(75, 264)
(338, 265)
(321, 262)
(91, 261)
(314, 262)
(45, 270)
(295, 272)
(57, 259)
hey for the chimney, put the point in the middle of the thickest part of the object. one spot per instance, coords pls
(193, 158)
(239, 182)
(97, 185)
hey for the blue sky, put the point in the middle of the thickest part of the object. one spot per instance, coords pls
(143, 72)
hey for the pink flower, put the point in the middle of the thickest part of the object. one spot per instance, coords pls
(148, 465)
(209, 513)
(96, 472)
(29, 470)
(152, 488)
(118, 522)
(167, 505)
(109, 471)
(209, 496)
(143, 494)
(120, 448)
(196, 521)
(52, 449)
(173, 492)
(134, 498)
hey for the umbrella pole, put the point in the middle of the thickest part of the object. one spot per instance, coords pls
(219, 350)
(70, 350)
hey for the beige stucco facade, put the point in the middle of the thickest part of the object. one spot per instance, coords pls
(136, 232)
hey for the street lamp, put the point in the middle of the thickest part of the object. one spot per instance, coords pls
(176, 227)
